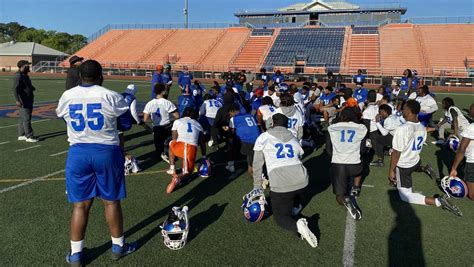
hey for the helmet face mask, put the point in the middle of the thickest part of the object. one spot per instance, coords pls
(454, 187)
(175, 228)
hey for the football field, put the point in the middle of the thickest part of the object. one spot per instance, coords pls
(34, 212)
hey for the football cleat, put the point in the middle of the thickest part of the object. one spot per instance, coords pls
(74, 260)
(205, 168)
(305, 232)
(32, 140)
(165, 158)
(355, 191)
(377, 163)
(22, 138)
(430, 172)
(454, 187)
(453, 143)
(122, 251)
(176, 228)
(175, 181)
(446, 205)
(352, 208)
(253, 206)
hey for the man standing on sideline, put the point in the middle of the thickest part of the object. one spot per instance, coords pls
(94, 166)
(24, 97)
(73, 79)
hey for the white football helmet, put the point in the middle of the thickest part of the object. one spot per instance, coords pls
(131, 165)
(176, 228)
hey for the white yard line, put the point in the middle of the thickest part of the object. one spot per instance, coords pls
(15, 125)
(348, 253)
(3, 143)
(28, 148)
(368, 185)
(30, 182)
(59, 153)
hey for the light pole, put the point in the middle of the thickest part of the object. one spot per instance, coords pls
(185, 14)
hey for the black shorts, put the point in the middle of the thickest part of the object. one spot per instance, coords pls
(341, 174)
(469, 172)
(404, 175)
(246, 149)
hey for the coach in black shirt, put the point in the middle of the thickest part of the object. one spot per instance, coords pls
(73, 79)
(24, 97)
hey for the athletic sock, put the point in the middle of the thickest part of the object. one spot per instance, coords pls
(118, 241)
(437, 203)
(172, 167)
(77, 246)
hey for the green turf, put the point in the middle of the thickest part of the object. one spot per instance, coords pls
(34, 219)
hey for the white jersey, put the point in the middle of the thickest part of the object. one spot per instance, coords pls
(188, 130)
(427, 103)
(346, 140)
(91, 114)
(408, 139)
(276, 100)
(160, 110)
(370, 113)
(209, 108)
(267, 111)
(469, 134)
(462, 121)
(277, 153)
(294, 122)
(391, 123)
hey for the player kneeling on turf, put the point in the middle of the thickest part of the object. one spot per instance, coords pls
(187, 133)
(346, 140)
(281, 152)
(407, 144)
(95, 161)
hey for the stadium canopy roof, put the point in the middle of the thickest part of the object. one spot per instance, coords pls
(27, 49)
(319, 5)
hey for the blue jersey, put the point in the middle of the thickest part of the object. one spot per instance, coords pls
(246, 128)
(156, 78)
(166, 77)
(326, 99)
(256, 103)
(361, 95)
(185, 79)
(185, 101)
(359, 79)
(414, 82)
(404, 84)
(278, 78)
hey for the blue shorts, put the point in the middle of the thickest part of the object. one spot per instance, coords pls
(95, 170)
(425, 118)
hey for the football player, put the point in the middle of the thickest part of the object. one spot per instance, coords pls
(265, 112)
(466, 149)
(187, 134)
(157, 77)
(245, 127)
(295, 117)
(185, 78)
(386, 125)
(361, 95)
(209, 110)
(281, 152)
(346, 138)
(369, 114)
(185, 100)
(453, 118)
(427, 103)
(94, 166)
(407, 144)
(160, 110)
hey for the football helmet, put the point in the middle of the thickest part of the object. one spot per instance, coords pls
(254, 206)
(454, 187)
(176, 228)
(131, 165)
(205, 168)
(453, 143)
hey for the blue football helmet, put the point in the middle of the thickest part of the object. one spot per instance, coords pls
(205, 168)
(454, 187)
(176, 228)
(453, 143)
(254, 206)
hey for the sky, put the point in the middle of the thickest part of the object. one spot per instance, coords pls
(88, 16)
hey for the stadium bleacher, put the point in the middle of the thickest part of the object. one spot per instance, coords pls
(320, 46)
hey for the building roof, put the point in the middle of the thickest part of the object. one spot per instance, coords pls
(27, 49)
(319, 5)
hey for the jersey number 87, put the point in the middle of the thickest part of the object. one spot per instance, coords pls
(95, 119)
